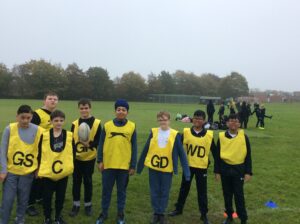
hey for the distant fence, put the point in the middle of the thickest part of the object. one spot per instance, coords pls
(178, 98)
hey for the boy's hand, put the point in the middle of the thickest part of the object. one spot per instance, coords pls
(100, 167)
(36, 174)
(86, 144)
(247, 177)
(217, 177)
(3, 176)
(131, 172)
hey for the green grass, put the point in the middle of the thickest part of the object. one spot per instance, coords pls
(275, 154)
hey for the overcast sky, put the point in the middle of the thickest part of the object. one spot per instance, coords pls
(258, 38)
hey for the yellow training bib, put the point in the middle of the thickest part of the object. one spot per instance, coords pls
(56, 165)
(45, 119)
(21, 156)
(160, 159)
(233, 150)
(85, 153)
(197, 148)
(117, 145)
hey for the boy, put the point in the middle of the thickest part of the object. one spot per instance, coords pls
(233, 167)
(117, 155)
(85, 157)
(262, 115)
(160, 154)
(55, 165)
(19, 150)
(41, 117)
(198, 143)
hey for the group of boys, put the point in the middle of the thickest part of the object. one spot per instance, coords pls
(36, 160)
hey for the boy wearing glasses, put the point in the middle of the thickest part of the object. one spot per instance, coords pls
(197, 143)
(233, 167)
(160, 155)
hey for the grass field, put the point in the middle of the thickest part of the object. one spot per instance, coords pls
(275, 154)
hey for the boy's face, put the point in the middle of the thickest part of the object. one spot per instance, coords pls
(58, 122)
(198, 122)
(50, 102)
(233, 124)
(121, 113)
(84, 110)
(24, 119)
(164, 122)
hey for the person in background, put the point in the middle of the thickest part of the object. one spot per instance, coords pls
(221, 112)
(244, 115)
(210, 110)
(257, 113)
(262, 116)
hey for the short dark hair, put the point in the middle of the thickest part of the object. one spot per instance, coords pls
(200, 113)
(24, 109)
(233, 117)
(50, 93)
(84, 101)
(57, 113)
(162, 114)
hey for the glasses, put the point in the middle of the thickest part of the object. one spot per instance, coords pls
(162, 120)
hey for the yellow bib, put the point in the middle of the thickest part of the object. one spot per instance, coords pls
(161, 159)
(45, 119)
(197, 148)
(85, 153)
(56, 165)
(21, 156)
(117, 145)
(233, 150)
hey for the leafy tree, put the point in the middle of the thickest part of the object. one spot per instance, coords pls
(234, 85)
(131, 86)
(101, 85)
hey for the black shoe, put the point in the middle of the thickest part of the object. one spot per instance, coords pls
(154, 219)
(229, 220)
(121, 219)
(162, 219)
(59, 221)
(47, 221)
(175, 213)
(102, 217)
(74, 211)
(31, 211)
(88, 210)
(204, 219)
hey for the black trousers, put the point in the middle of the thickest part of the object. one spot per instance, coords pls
(36, 192)
(244, 122)
(210, 118)
(201, 183)
(83, 170)
(234, 186)
(59, 188)
(260, 122)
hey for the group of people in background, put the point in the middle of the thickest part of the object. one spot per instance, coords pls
(242, 109)
(38, 154)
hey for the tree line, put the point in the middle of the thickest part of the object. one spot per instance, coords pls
(32, 79)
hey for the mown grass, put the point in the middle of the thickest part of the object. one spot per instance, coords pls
(275, 155)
